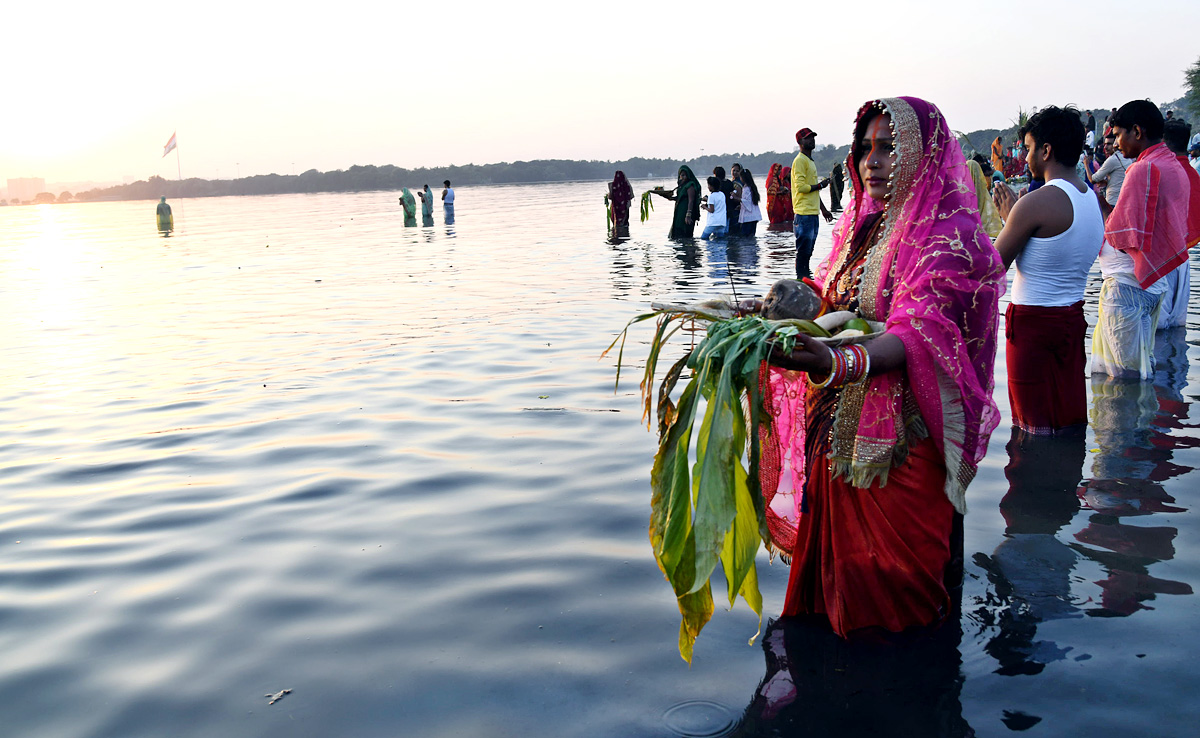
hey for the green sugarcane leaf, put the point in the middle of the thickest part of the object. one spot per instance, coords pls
(753, 597)
(661, 336)
(647, 205)
(710, 511)
(666, 409)
(621, 337)
(696, 609)
(671, 501)
(713, 478)
(741, 543)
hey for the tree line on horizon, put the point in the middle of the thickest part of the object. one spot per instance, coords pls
(363, 178)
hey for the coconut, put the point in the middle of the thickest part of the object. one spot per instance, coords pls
(791, 299)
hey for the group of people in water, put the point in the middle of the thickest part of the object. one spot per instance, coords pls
(409, 204)
(733, 207)
(876, 442)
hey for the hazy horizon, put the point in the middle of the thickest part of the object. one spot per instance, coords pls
(420, 86)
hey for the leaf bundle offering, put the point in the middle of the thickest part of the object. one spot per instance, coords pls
(647, 205)
(711, 510)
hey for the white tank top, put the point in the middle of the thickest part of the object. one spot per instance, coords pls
(1052, 272)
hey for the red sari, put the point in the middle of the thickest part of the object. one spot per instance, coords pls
(875, 557)
(901, 530)
(779, 195)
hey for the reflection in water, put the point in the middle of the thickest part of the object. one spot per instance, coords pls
(734, 261)
(687, 253)
(622, 270)
(1030, 570)
(1029, 573)
(817, 684)
(1132, 422)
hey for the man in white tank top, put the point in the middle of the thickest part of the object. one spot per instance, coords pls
(1054, 235)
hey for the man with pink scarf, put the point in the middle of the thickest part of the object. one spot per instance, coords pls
(886, 435)
(1144, 240)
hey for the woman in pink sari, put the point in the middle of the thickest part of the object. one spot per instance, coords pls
(894, 428)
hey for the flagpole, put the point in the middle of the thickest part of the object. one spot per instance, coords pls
(179, 175)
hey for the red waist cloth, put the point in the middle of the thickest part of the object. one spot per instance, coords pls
(1046, 366)
(876, 556)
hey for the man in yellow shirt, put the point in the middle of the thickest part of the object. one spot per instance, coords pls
(806, 200)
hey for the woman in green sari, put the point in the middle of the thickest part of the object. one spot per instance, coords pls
(687, 203)
(409, 203)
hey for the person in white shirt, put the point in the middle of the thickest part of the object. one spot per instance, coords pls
(749, 213)
(1112, 172)
(448, 202)
(1178, 292)
(713, 205)
(1053, 234)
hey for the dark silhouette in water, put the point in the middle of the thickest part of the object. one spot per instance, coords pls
(837, 184)
(166, 221)
(887, 684)
(1030, 570)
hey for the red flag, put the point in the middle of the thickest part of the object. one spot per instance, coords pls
(170, 145)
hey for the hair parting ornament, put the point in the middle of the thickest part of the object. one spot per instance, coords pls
(882, 108)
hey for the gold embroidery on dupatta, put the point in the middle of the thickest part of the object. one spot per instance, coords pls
(906, 132)
(862, 460)
(849, 407)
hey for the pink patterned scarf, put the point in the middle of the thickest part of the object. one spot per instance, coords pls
(935, 279)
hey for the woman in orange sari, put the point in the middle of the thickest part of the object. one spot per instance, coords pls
(998, 155)
(886, 434)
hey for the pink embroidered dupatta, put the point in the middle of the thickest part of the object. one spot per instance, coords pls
(935, 279)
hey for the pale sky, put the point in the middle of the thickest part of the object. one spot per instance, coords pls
(93, 90)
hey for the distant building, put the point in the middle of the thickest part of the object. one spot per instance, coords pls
(25, 188)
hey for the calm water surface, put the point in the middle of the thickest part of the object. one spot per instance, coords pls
(298, 446)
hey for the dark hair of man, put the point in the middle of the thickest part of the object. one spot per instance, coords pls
(1140, 113)
(714, 183)
(447, 183)
(1059, 127)
(1176, 134)
(719, 172)
(748, 180)
(985, 166)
